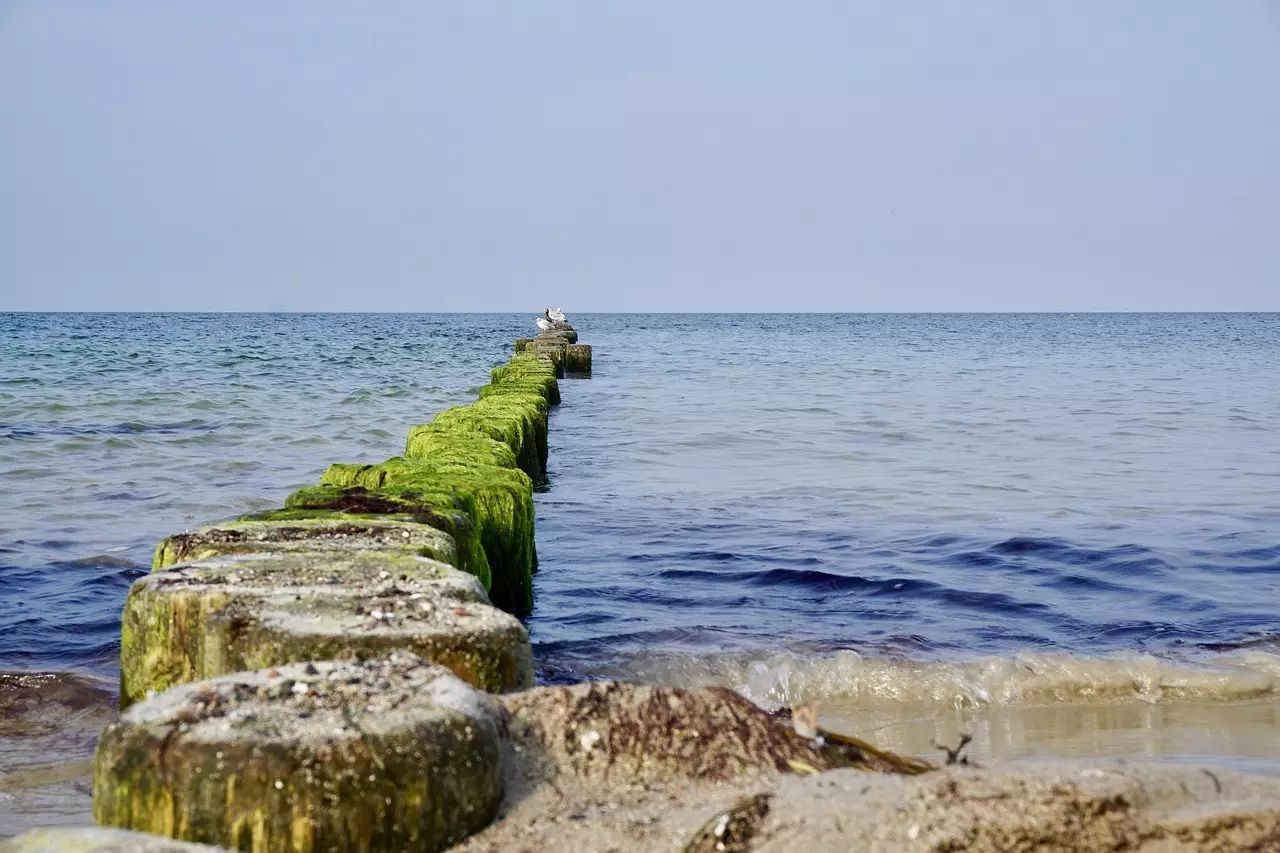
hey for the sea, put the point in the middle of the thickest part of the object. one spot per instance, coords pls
(1056, 534)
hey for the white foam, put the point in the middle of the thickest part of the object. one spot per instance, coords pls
(1028, 678)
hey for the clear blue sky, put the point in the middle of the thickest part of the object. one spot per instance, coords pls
(418, 156)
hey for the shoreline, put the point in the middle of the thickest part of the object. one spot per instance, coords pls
(42, 787)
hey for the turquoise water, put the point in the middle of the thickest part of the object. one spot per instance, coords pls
(928, 487)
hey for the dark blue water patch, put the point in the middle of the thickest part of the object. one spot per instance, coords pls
(47, 430)
(64, 615)
(1009, 636)
(1051, 549)
(1262, 641)
(1178, 601)
(101, 561)
(1086, 583)
(1151, 565)
(46, 544)
(1264, 560)
(131, 497)
(813, 581)
(974, 559)
(770, 584)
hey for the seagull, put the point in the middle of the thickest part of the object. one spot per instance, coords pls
(556, 315)
(544, 322)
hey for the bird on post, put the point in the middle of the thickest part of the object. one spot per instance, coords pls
(552, 319)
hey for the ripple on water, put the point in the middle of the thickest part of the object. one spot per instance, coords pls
(986, 485)
(125, 428)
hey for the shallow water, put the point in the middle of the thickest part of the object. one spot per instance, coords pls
(49, 725)
(813, 508)
(1239, 735)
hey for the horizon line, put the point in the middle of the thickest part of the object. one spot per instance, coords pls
(671, 313)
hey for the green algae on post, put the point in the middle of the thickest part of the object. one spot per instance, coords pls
(387, 754)
(514, 414)
(436, 509)
(248, 536)
(551, 349)
(226, 614)
(530, 371)
(444, 442)
(525, 361)
(528, 367)
(371, 747)
(500, 500)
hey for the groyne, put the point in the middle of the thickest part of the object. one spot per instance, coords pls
(317, 657)
(431, 551)
(349, 672)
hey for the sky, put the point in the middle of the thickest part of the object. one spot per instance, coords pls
(1073, 155)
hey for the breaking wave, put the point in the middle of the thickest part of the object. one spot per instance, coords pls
(1028, 678)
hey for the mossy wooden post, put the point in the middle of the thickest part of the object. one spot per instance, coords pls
(336, 534)
(552, 349)
(526, 371)
(515, 415)
(577, 360)
(389, 754)
(343, 737)
(437, 509)
(226, 614)
(564, 336)
(500, 500)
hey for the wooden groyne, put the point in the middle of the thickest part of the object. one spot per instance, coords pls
(429, 552)
(411, 568)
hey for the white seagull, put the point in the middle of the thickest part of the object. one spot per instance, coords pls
(556, 315)
(544, 322)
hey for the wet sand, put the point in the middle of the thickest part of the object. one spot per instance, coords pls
(1241, 735)
(49, 726)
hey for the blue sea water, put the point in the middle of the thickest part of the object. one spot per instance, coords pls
(728, 492)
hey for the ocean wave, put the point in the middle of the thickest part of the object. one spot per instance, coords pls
(1029, 678)
(45, 430)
